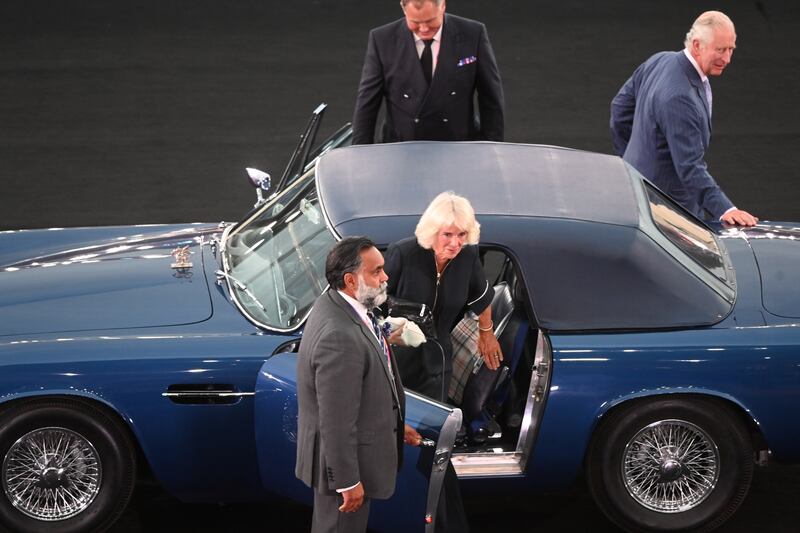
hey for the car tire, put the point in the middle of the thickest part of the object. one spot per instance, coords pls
(67, 448)
(677, 464)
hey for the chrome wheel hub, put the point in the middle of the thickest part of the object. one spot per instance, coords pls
(51, 474)
(670, 466)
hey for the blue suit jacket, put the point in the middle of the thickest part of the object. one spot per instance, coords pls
(660, 124)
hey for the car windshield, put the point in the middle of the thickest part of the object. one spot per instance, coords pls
(696, 241)
(275, 262)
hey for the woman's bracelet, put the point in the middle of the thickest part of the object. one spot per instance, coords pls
(490, 328)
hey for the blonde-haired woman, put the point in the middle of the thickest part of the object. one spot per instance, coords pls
(441, 267)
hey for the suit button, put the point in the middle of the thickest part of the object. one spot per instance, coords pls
(444, 120)
(405, 95)
(453, 93)
(395, 430)
(416, 121)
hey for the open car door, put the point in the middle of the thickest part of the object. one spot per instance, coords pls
(300, 157)
(413, 506)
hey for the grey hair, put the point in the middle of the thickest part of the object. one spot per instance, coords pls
(703, 26)
(419, 3)
(445, 210)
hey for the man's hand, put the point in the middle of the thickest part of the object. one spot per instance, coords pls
(353, 499)
(411, 436)
(395, 338)
(739, 217)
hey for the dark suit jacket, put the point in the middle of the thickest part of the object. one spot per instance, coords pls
(443, 112)
(350, 423)
(661, 125)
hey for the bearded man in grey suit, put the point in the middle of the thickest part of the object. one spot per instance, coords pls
(350, 398)
(428, 67)
(661, 119)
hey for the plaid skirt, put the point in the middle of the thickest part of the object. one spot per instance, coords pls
(466, 359)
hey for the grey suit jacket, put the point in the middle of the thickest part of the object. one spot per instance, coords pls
(445, 110)
(660, 124)
(350, 423)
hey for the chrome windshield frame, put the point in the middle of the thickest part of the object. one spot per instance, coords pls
(303, 181)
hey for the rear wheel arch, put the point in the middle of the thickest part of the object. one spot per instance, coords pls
(737, 410)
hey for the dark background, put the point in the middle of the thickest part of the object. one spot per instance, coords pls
(120, 112)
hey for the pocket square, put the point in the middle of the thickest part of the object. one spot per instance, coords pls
(466, 61)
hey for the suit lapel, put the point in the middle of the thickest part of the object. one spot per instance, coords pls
(697, 83)
(366, 331)
(448, 53)
(701, 93)
(410, 59)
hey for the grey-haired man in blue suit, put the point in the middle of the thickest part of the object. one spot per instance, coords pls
(661, 119)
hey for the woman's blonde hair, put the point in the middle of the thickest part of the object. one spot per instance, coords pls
(445, 210)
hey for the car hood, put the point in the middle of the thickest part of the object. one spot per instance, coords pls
(777, 250)
(62, 280)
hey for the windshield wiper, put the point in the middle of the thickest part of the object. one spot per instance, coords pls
(241, 286)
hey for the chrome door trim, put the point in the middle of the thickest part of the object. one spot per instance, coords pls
(497, 462)
(444, 450)
(206, 394)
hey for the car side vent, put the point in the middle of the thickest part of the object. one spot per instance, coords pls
(204, 394)
(288, 347)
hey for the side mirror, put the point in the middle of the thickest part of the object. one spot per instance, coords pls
(261, 181)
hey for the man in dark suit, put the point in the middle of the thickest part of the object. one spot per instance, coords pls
(350, 398)
(427, 67)
(661, 119)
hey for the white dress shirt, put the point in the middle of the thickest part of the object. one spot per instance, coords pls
(702, 74)
(359, 308)
(437, 39)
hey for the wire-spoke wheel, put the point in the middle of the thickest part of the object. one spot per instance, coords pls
(66, 466)
(683, 463)
(52, 473)
(670, 466)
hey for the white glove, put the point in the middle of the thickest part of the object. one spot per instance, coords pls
(411, 334)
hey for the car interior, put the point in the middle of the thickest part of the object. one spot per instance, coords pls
(493, 402)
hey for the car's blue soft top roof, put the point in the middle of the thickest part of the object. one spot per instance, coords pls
(498, 178)
(571, 219)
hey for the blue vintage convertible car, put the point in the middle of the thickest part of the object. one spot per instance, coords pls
(653, 356)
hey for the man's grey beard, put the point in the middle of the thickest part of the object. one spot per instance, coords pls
(370, 297)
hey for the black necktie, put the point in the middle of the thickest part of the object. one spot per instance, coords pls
(426, 60)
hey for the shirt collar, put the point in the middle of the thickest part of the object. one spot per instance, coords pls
(702, 74)
(357, 306)
(437, 37)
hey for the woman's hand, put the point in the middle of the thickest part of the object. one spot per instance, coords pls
(489, 349)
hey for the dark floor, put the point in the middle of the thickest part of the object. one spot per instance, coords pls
(770, 507)
(148, 111)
